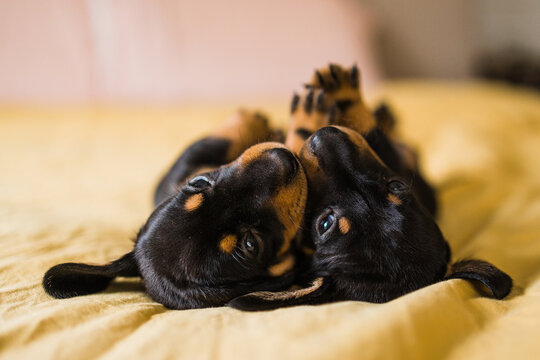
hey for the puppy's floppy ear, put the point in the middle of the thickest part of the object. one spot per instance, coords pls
(497, 281)
(72, 279)
(314, 293)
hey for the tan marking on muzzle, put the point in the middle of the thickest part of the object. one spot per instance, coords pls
(344, 225)
(193, 202)
(394, 199)
(228, 243)
(309, 161)
(289, 204)
(282, 267)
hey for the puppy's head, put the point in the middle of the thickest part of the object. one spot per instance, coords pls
(366, 223)
(373, 239)
(225, 233)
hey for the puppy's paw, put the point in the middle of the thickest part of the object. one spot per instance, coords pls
(342, 89)
(309, 113)
(246, 128)
(248, 121)
(341, 85)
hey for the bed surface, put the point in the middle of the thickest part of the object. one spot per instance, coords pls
(76, 184)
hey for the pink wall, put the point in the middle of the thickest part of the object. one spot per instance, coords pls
(127, 50)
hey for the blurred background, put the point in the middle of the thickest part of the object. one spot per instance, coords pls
(171, 51)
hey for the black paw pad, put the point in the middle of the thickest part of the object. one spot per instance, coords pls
(308, 102)
(354, 76)
(294, 103)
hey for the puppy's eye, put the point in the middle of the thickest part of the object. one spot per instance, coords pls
(396, 186)
(251, 245)
(199, 182)
(326, 223)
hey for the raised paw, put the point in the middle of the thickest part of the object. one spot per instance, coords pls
(246, 128)
(342, 89)
(309, 113)
(341, 85)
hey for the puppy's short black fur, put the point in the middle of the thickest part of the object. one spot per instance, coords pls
(369, 216)
(226, 214)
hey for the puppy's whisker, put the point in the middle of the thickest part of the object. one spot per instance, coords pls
(241, 260)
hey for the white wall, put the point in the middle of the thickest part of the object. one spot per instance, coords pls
(508, 23)
(444, 38)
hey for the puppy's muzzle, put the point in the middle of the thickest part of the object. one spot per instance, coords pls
(319, 141)
(288, 162)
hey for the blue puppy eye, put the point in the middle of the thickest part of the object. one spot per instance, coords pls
(199, 182)
(326, 223)
(250, 246)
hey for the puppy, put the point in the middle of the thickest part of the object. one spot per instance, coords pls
(372, 230)
(226, 214)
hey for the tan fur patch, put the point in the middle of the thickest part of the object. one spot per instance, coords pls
(228, 243)
(344, 225)
(394, 199)
(294, 142)
(282, 267)
(308, 251)
(193, 202)
(256, 150)
(310, 163)
(289, 204)
(244, 129)
(359, 118)
(286, 295)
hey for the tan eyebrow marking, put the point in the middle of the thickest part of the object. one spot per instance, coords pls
(344, 225)
(394, 199)
(282, 267)
(193, 202)
(228, 243)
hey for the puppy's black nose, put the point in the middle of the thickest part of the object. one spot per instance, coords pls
(288, 162)
(323, 138)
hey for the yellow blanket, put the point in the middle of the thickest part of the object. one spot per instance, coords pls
(76, 183)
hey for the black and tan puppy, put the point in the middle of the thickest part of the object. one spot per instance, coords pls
(373, 233)
(226, 215)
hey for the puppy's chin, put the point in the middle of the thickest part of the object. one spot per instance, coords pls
(205, 292)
